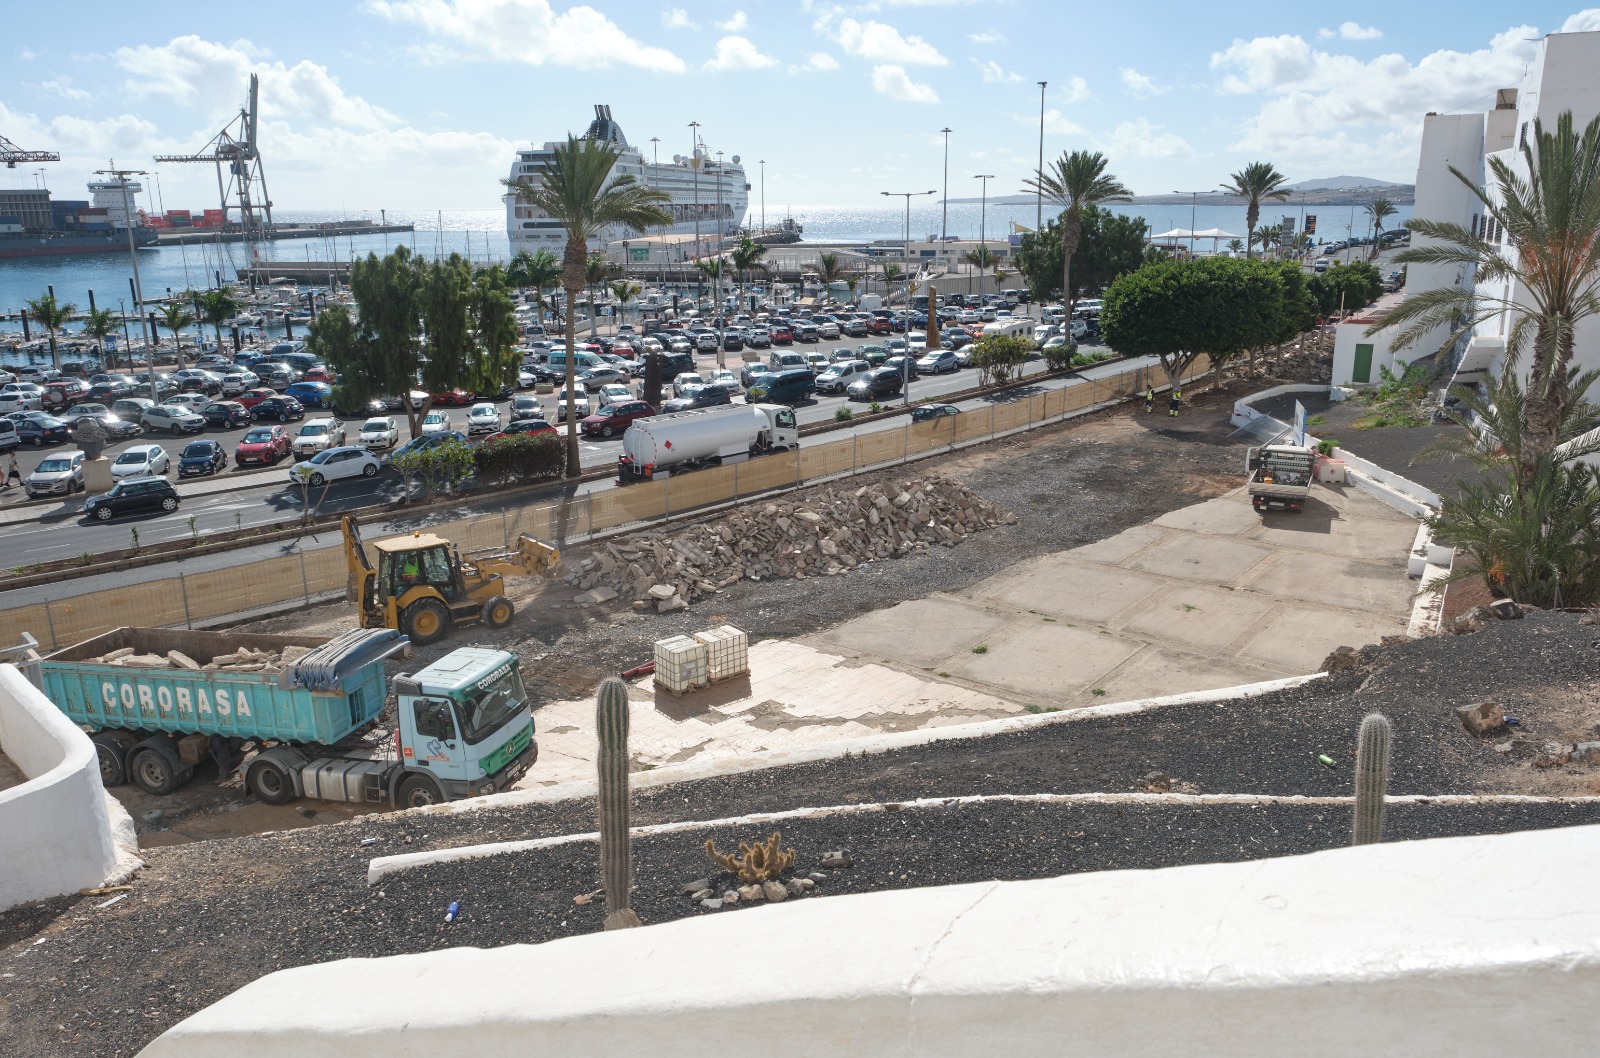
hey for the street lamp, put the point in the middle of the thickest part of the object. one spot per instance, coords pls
(763, 195)
(694, 166)
(1193, 197)
(121, 177)
(983, 230)
(944, 222)
(905, 361)
(1038, 217)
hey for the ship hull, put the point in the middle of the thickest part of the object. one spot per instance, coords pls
(69, 246)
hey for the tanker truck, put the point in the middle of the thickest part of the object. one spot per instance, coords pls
(659, 446)
(289, 713)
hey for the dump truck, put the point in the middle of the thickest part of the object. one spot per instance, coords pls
(290, 712)
(1280, 475)
(656, 447)
(424, 586)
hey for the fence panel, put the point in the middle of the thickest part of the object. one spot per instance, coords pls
(620, 506)
(1011, 415)
(34, 618)
(930, 435)
(880, 447)
(152, 603)
(700, 488)
(971, 425)
(217, 593)
(823, 460)
(768, 472)
(325, 569)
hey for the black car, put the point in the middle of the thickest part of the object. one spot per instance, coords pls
(929, 412)
(276, 375)
(875, 385)
(955, 338)
(200, 458)
(226, 414)
(133, 496)
(903, 365)
(732, 343)
(278, 409)
(707, 396)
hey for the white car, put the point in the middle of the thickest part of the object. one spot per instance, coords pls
(380, 433)
(436, 422)
(526, 379)
(917, 341)
(315, 436)
(682, 383)
(29, 396)
(237, 382)
(141, 461)
(580, 404)
(728, 381)
(839, 376)
(173, 418)
(192, 401)
(483, 418)
(614, 393)
(335, 464)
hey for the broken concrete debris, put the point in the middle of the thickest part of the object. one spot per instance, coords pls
(245, 659)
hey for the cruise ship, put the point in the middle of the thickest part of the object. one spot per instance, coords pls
(709, 196)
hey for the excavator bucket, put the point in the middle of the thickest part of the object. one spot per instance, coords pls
(536, 556)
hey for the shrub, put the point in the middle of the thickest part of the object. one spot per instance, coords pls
(518, 458)
(843, 415)
(1059, 356)
(1327, 445)
(997, 358)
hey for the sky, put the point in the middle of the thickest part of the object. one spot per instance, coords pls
(420, 104)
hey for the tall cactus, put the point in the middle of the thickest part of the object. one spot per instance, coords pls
(616, 858)
(1372, 778)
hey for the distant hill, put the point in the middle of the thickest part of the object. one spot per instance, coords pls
(1343, 183)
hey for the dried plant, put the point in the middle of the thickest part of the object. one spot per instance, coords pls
(754, 863)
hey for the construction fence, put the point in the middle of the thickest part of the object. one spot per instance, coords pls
(308, 576)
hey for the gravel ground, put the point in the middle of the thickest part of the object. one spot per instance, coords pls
(207, 918)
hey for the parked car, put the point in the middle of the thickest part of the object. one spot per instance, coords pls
(141, 461)
(782, 334)
(201, 459)
(315, 436)
(226, 414)
(615, 418)
(838, 376)
(283, 409)
(753, 372)
(311, 394)
(938, 362)
(732, 342)
(929, 412)
(454, 398)
(195, 402)
(427, 442)
(273, 374)
(708, 395)
(436, 422)
(172, 418)
(613, 394)
(784, 387)
(483, 418)
(251, 397)
(758, 338)
(379, 433)
(197, 380)
(580, 404)
(904, 366)
(521, 426)
(728, 381)
(56, 475)
(63, 393)
(681, 384)
(335, 464)
(237, 381)
(263, 444)
(39, 428)
(876, 385)
(133, 496)
(21, 396)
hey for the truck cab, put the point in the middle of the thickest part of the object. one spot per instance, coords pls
(465, 727)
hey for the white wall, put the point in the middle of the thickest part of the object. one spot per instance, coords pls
(56, 829)
(1353, 332)
(1447, 140)
(1466, 947)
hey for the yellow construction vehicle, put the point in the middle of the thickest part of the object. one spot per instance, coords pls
(423, 585)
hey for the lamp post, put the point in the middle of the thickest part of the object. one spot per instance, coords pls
(383, 222)
(763, 196)
(121, 177)
(1038, 216)
(1193, 199)
(905, 361)
(944, 221)
(983, 227)
(694, 166)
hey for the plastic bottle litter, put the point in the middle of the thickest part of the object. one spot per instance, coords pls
(454, 912)
(1324, 758)
(1513, 721)
(368, 841)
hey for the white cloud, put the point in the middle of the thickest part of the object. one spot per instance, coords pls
(734, 24)
(894, 82)
(1583, 22)
(988, 36)
(737, 53)
(1055, 122)
(529, 31)
(817, 61)
(677, 18)
(27, 55)
(881, 43)
(1077, 91)
(993, 73)
(1356, 31)
(62, 86)
(1141, 139)
(1326, 34)
(1140, 84)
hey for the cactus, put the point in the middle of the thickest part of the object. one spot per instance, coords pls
(1372, 778)
(616, 860)
(754, 863)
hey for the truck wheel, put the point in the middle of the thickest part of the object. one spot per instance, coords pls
(417, 791)
(426, 621)
(270, 783)
(113, 760)
(153, 772)
(497, 612)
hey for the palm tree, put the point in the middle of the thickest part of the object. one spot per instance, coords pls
(576, 188)
(596, 270)
(98, 324)
(1550, 223)
(746, 258)
(1254, 182)
(1269, 236)
(892, 273)
(218, 307)
(52, 316)
(624, 292)
(1076, 181)
(980, 259)
(1234, 246)
(710, 268)
(175, 318)
(1379, 210)
(539, 271)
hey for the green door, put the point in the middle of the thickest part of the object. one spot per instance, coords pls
(1363, 369)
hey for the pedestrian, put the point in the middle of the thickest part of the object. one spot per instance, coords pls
(1149, 399)
(1172, 404)
(13, 472)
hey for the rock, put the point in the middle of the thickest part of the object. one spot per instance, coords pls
(1590, 618)
(805, 884)
(714, 904)
(1474, 620)
(794, 887)
(817, 876)
(1506, 609)
(595, 596)
(751, 893)
(775, 891)
(674, 603)
(703, 894)
(835, 860)
(115, 655)
(1504, 747)
(689, 888)
(153, 818)
(730, 897)
(1587, 752)
(1157, 782)
(1483, 718)
(1552, 755)
(662, 592)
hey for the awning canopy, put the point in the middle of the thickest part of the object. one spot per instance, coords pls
(1204, 233)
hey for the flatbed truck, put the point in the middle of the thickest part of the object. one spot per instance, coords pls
(1280, 475)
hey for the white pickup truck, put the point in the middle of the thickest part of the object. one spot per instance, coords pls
(1280, 475)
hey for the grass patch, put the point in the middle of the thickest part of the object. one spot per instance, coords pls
(981, 648)
(1316, 420)
(1099, 692)
(1042, 708)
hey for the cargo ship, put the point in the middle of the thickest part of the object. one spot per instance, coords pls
(31, 225)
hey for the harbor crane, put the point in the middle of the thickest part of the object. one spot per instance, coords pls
(11, 154)
(235, 151)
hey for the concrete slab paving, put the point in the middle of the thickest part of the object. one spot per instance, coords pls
(1301, 637)
(1200, 617)
(1071, 589)
(1042, 659)
(1201, 556)
(1162, 666)
(922, 630)
(1334, 580)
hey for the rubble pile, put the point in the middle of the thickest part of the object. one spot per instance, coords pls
(245, 659)
(829, 531)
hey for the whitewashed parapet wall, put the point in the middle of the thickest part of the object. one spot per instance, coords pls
(1469, 947)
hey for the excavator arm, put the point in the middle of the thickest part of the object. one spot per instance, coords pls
(358, 582)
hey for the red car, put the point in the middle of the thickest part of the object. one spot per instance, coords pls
(318, 374)
(879, 325)
(455, 398)
(263, 444)
(251, 397)
(782, 334)
(615, 418)
(521, 426)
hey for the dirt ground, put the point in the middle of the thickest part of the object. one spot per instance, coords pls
(1069, 484)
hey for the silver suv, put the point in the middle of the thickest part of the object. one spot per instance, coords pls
(56, 475)
(316, 436)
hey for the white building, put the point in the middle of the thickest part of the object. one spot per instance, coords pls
(1561, 78)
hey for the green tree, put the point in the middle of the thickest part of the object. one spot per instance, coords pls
(1075, 182)
(495, 360)
(1109, 245)
(746, 258)
(576, 188)
(1234, 246)
(536, 271)
(892, 274)
(175, 318)
(1378, 211)
(52, 316)
(596, 272)
(982, 259)
(1346, 286)
(217, 307)
(378, 355)
(999, 357)
(99, 324)
(1257, 181)
(624, 292)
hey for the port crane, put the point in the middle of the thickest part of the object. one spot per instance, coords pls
(234, 150)
(11, 154)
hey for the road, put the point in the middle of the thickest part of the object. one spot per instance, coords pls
(62, 532)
